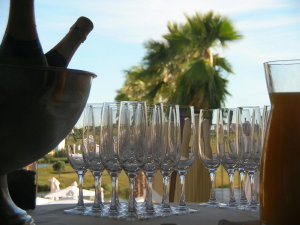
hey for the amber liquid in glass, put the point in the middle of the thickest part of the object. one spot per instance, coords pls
(280, 169)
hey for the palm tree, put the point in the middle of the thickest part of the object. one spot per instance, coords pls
(133, 87)
(182, 68)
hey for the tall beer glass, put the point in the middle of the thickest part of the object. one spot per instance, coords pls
(280, 172)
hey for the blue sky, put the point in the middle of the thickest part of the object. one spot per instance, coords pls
(270, 28)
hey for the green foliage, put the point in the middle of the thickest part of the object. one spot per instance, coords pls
(77, 135)
(182, 68)
(61, 153)
(47, 159)
(64, 159)
(124, 192)
(59, 166)
(106, 186)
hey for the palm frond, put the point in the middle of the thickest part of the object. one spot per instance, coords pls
(222, 63)
(181, 68)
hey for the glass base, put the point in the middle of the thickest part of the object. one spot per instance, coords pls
(76, 211)
(243, 202)
(254, 207)
(124, 215)
(242, 207)
(211, 204)
(248, 207)
(92, 211)
(182, 208)
(228, 205)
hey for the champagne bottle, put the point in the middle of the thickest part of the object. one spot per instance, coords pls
(20, 44)
(61, 54)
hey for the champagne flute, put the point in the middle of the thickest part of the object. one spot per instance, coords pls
(244, 145)
(91, 151)
(169, 133)
(151, 154)
(209, 141)
(187, 150)
(109, 150)
(131, 135)
(250, 132)
(75, 156)
(228, 148)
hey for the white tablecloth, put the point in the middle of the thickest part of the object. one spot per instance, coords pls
(53, 215)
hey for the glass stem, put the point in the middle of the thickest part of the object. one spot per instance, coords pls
(253, 201)
(131, 201)
(116, 191)
(149, 202)
(243, 198)
(80, 203)
(165, 200)
(182, 188)
(98, 199)
(212, 198)
(232, 200)
(113, 204)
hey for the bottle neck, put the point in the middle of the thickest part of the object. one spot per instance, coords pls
(70, 43)
(21, 22)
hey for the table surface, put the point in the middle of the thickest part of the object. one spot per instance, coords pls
(53, 215)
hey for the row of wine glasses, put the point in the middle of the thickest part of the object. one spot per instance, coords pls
(233, 138)
(134, 136)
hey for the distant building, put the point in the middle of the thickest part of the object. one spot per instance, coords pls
(59, 147)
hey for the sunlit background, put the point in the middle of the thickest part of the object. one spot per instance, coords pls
(270, 29)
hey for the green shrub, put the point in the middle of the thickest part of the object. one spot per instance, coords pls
(59, 166)
(61, 153)
(64, 159)
(47, 159)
